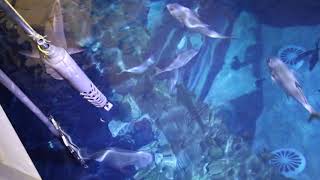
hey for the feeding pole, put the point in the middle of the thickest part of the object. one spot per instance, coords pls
(59, 63)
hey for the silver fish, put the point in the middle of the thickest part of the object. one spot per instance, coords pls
(120, 158)
(284, 77)
(191, 20)
(141, 68)
(181, 60)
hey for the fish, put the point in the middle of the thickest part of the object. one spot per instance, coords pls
(191, 20)
(285, 78)
(181, 60)
(141, 68)
(119, 158)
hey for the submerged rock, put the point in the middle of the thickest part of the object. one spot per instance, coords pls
(215, 153)
(118, 128)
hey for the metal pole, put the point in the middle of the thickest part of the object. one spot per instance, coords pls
(21, 22)
(13, 14)
(64, 66)
(59, 64)
(50, 122)
(14, 89)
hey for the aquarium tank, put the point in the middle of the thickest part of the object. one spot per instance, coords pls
(164, 89)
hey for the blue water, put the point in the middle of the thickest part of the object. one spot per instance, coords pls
(217, 121)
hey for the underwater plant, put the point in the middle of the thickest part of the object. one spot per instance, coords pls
(289, 162)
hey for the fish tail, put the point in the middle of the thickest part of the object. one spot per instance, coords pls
(220, 36)
(213, 34)
(151, 60)
(314, 115)
(158, 71)
(121, 72)
(74, 50)
(28, 54)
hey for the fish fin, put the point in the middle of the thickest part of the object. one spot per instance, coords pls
(288, 96)
(209, 33)
(151, 60)
(273, 79)
(84, 154)
(313, 61)
(33, 54)
(301, 91)
(196, 13)
(218, 36)
(313, 116)
(298, 85)
(189, 43)
(317, 43)
(54, 27)
(296, 75)
(303, 55)
(215, 35)
(158, 71)
(206, 25)
(236, 63)
(259, 82)
(53, 73)
(121, 72)
(126, 170)
(74, 50)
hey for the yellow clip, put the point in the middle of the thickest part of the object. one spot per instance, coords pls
(46, 53)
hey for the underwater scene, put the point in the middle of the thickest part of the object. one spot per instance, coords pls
(182, 89)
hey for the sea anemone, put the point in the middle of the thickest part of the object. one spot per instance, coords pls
(289, 162)
(288, 55)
